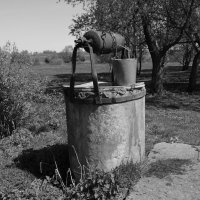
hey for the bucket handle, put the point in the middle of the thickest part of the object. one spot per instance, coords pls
(98, 99)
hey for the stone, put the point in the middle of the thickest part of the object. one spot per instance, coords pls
(163, 150)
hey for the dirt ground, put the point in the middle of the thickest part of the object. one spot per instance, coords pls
(185, 186)
(175, 176)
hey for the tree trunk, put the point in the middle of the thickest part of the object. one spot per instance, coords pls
(187, 56)
(140, 66)
(157, 74)
(185, 65)
(158, 57)
(193, 73)
(140, 61)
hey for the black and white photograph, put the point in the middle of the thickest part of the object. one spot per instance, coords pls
(99, 99)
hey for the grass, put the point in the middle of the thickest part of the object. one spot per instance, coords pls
(173, 116)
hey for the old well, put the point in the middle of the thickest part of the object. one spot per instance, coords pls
(105, 121)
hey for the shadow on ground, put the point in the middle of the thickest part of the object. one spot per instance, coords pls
(41, 162)
(163, 168)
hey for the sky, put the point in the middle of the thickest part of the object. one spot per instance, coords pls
(36, 25)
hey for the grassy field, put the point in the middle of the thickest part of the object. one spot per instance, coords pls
(174, 116)
(176, 113)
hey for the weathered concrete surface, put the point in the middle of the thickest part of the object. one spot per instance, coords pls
(106, 135)
(181, 151)
(173, 187)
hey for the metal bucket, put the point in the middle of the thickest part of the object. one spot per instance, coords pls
(124, 71)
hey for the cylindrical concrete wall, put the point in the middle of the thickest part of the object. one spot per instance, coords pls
(105, 135)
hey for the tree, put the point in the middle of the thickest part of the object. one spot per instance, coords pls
(108, 15)
(66, 54)
(187, 55)
(141, 53)
(81, 55)
(160, 22)
(19, 88)
(193, 33)
(182, 53)
(164, 22)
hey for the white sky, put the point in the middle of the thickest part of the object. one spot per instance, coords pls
(36, 25)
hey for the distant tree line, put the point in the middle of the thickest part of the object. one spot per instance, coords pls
(57, 58)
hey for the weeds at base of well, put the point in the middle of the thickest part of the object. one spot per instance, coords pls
(96, 184)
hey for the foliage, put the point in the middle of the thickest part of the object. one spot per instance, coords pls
(94, 183)
(163, 24)
(80, 55)
(171, 116)
(104, 58)
(36, 61)
(192, 32)
(116, 16)
(38, 190)
(158, 23)
(182, 53)
(97, 184)
(66, 54)
(49, 52)
(18, 87)
(53, 59)
(46, 115)
(20, 58)
(66, 57)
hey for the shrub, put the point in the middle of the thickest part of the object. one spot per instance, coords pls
(19, 86)
(56, 61)
(80, 55)
(97, 184)
(65, 56)
(53, 59)
(104, 58)
(47, 60)
(35, 61)
(20, 58)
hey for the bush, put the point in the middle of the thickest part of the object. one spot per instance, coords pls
(35, 61)
(56, 61)
(80, 55)
(18, 88)
(47, 60)
(97, 184)
(104, 58)
(20, 58)
(65, 56)
(53, 59)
